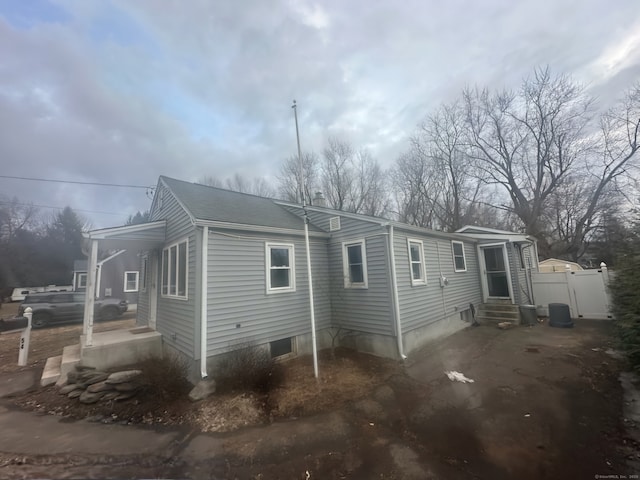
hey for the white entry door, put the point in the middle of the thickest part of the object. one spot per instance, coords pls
(496, 281)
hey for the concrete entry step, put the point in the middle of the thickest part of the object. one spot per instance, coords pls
(70, 358)
(51, 372)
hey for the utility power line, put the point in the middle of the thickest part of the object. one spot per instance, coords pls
(60, 208)
(77, 182)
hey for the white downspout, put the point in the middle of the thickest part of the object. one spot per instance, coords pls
(90, 295)
(394, 287)
(203, 302)
(311, 301)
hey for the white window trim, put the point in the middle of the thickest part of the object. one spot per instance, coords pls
(423, 280)
(186, 271)
(345, 265)
(453, 253)
(292, 267)
(79, 278)
(137, 276)
(144, 272)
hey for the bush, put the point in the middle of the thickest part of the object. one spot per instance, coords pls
(166, 377)
(625, 291)
(248, 368)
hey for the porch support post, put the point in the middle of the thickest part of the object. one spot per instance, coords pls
(90, 295)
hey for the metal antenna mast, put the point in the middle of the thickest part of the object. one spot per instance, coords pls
(306, 241)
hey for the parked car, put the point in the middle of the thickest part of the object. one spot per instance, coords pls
(68, 306)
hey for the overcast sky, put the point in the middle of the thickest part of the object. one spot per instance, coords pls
(124, 91)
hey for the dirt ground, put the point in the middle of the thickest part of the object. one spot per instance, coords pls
(545, 403)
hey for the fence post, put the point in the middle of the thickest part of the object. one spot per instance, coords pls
(25, 337)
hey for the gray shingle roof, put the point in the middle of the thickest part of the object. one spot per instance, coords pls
(220, 205)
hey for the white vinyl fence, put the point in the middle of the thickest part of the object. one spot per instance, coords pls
(585, 291)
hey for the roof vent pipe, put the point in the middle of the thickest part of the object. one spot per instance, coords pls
(319, 200)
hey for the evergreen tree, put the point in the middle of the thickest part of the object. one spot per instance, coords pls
(625, 291)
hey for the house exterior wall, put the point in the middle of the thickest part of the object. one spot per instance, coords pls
(367, 310)
(241, 312)
(112, 276)
(176, 318)
(144, 292)
(358, 310)
(423, 305)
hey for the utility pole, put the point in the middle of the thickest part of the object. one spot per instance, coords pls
(306, 241)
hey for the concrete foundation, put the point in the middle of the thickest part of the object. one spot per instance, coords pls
(379, 345)
(119, 348)
(420, 336)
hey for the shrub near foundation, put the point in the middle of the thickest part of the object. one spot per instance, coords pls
(165, 377)
(248, 368)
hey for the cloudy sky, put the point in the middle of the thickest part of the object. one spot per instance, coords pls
(122, 91)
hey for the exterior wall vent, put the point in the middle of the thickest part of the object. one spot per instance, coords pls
(334, 224)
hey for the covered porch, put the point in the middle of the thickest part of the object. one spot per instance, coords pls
(121, 347)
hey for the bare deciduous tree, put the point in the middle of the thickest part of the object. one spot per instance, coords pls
(605, 177)
(352, 180)
(439, 185)
(529, 141)
(15, 216)
(289, 178)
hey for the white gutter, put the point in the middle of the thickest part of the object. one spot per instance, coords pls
(257, 228)
(203, 302)
(394, 288)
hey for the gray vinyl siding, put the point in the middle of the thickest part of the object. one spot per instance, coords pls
(142, 312)
(239, 309)
(176, 318)
(523, 297)
(421, 305)
(365, 310)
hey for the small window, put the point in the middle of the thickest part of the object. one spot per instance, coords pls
(459, 261)
(280, 262)
(416, 262)
(280, 348)
(82, 280)
(175, 270)
(354, 258)
(131, 281)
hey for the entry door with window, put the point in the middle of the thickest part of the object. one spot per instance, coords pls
(496, 272)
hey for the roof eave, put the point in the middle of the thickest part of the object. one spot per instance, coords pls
(256, 228)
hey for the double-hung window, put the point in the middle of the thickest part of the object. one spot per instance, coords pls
(131, 281)
(82, 280)
(175, 270)
(459, 260)
(416, 262)
(354, 262)
(280, 262)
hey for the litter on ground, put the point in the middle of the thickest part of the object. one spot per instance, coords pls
(458, 377)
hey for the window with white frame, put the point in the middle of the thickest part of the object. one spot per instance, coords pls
(459, 260)
(280, 261)
(354, 260)
(175, 270)
(82, 280)
(416, 262)
(131, 281)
